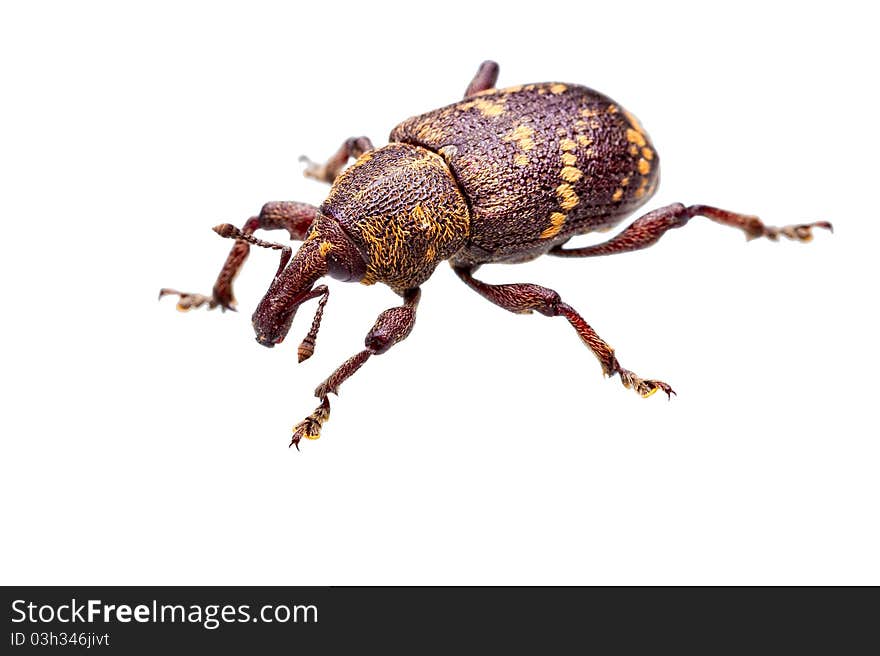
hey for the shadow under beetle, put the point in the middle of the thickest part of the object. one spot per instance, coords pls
(505, 175)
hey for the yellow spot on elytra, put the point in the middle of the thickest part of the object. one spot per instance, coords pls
(584, 140)
(567, 198)
(624, 182)
(556, 221)
(569, 159)
(571, 174)
(613, 109)
(522, 135)
(567, 144)
(644, 166)
(489, 92)
(633, 150)
(636, 137)
(580, 124)
(557, 88)
(486, 107)
(641, 190)
(618, 194)
(521, 132)
(647, 153)
(588, 112)
(633, 121)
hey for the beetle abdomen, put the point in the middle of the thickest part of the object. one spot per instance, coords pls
(538, 163)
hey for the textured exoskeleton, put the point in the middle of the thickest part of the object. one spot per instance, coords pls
(504, 175)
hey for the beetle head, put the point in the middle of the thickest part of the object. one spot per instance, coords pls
(326, 250)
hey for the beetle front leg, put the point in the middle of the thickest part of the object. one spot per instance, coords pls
(648, 229)
(329, 170)
(523, 298)
(294, 217)
(392, 326)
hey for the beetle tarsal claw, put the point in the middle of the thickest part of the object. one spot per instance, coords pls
(802, 232)
(314, 170)
(310, 427)
(187, 301)
(643, 387)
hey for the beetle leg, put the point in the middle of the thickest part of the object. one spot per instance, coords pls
(648, 229)
(392, 326)
(327, 172)
(294, 217)
(523, 298)
(485, 79)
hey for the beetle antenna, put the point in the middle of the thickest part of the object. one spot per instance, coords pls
(230, 231)
(307, 346)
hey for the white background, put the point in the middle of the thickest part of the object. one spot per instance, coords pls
(146, 446)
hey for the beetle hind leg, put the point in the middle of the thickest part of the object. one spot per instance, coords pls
(485, 79)
(524, 298)
(294, 217)
(647, 230)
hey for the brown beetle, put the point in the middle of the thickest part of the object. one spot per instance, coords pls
(505, 175)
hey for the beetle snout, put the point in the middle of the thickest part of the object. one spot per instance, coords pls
(267, 341)
(271, 323)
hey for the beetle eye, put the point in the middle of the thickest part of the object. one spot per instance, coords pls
(336, 267)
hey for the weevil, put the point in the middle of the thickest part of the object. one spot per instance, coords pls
(504, 175)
